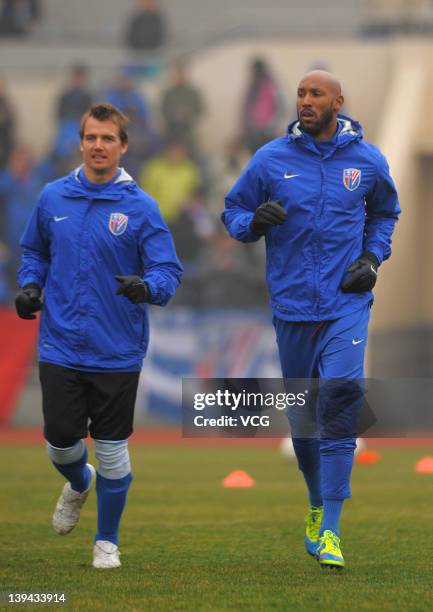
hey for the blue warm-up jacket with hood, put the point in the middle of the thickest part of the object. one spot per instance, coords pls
(340, 201)
(78, 238)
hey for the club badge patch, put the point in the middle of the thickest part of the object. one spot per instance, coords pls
(351, 178)
(117, 223)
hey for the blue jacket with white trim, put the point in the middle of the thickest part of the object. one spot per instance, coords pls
(78, 238)
(340, 201)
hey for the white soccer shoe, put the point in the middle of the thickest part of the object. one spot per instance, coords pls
(105, 555)
(68, 508)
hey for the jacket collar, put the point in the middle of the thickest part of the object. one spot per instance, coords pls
(73, 187)
(348, 131)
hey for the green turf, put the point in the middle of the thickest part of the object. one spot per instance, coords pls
(189, 544)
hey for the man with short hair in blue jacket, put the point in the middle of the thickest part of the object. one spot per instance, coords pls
(326, 204)
(97, 247)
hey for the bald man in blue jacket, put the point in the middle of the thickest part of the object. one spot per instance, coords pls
(327, 206)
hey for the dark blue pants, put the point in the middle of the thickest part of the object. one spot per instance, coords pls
(332, 353)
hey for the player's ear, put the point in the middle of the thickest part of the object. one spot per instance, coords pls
(124, 148)
(338, 102)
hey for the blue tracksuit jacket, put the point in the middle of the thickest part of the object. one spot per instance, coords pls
(339, 203)
(78, 238)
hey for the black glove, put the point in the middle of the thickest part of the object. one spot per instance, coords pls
(133, 288)
(363, 274)
(267, 215)
(27, 301)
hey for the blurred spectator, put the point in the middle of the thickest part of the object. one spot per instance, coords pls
(72, 102)
(77, 98)
(4, 286)
(143, 141)
(182, 108)
(227, 274)
(218, 271)
(64, 151)
(123, 94)
(20, 185)
(18, 16)
(263, 107)
(192, 230)
(7, 123)
(146, 29)
(226, 170)
(172, 179)
(194, 225)
(61, 160)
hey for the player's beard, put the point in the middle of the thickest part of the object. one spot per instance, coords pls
(320, 126)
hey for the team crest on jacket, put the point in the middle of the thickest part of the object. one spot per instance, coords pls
(351, 178)
(117, 223)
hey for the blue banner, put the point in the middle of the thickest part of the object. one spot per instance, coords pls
(188, 343)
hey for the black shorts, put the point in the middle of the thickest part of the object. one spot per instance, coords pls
(76, 403)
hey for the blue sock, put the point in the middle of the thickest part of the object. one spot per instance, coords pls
(77, 473)
(307, 452)
(111, 501)
(331, 515)
(313, 482)
(336, 457)
(336, 460)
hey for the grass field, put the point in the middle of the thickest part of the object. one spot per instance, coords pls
(189, 544)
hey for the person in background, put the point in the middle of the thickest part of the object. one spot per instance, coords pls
(77, 96)
(182, 108)
(144, 141)
(4, 285)
(70, 106)
(172, 178)
(227, 274)
(146, 29)
(263, 107)
(20, 184)
(193, 230)
(17, 17)
(7, 125)
(225, 169)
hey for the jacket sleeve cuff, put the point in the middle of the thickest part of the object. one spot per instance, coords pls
(372, 257)
(240, 228)
(157, 294)
(375, 251)
(30, 280)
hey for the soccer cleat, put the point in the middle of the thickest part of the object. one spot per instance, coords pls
(329, 554)
(312, 527)
(67, 511)
(105, 555)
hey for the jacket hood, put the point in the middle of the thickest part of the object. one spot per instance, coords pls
(74, 187)
(348, 131)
